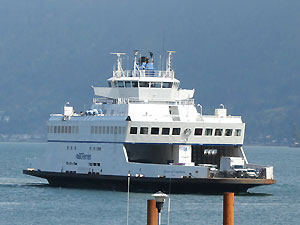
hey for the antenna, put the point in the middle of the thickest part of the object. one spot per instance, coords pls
(169, 63)
(151, 56)
(118, 54)
(135, 63)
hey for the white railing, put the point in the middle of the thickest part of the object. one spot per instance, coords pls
(143, 73)
(138, 101)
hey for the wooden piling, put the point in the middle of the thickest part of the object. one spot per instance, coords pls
(152, 212)
(228, 208)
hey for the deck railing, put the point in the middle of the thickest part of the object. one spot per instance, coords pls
(143, 73)
(138, 101)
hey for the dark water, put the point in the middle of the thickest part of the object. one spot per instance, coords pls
(28, 200)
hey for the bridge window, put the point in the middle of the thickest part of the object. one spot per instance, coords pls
(144, 84)
(121, 84)
(228, 132)
(144, 130)
(176, 131)
(155, 84)
(128, 84)
(238, 132)
(135, 84)
(176, 85)
(155, 130)
(165, 131)
(198, 131)
(208, 131)
(167, 85)
(218, 132)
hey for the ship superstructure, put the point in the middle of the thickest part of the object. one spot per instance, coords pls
(145, 127)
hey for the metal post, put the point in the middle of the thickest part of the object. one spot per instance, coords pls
(152, 213)
(159, 218)
(228, 208)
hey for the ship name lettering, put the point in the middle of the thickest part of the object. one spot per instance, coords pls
(83, 156)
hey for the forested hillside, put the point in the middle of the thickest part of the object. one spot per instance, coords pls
(243, 54)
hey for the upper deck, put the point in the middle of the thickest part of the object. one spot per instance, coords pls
(144, 83)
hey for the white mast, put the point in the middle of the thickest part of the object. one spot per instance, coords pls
(119, 61)
(135, 62)
(169, 63)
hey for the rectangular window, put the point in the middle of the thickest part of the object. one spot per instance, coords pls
(155, 84)
(155, 130)
(119, 130)
(58, 129)
(69, 129)
(228, 132)
(133, 130)
(115, 129)
(238, 132)
(144, 130)
(198, 131)
(167, 85)
(165, 131)
(144, 84)
(176, 131)
(111, 130)
(128, 84)
(218, 132)
(100, 129)
(92, 129)
(134, 84)
(107, 130)
(208, 131)
(96, 130)
(109, 84)
(121, 84)
(176, 85)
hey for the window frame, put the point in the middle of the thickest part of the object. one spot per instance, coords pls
(176, 131)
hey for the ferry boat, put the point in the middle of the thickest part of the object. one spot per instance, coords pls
(146, 133)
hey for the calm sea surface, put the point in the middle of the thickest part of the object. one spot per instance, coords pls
(28, 200)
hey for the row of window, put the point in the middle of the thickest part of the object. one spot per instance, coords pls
(108, 130)
(177, 131)
(135, 84)
(95, 148)
(143, 130)
(98, 148)
(71, 163)
(63, 129)
(94, 164)
(71, 147)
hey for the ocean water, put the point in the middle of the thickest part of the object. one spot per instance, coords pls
(28, 200)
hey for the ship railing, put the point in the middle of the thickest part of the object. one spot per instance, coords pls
(138, 101)
(266, 172)
(215, 116)
(144, 73)
(262, 172)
